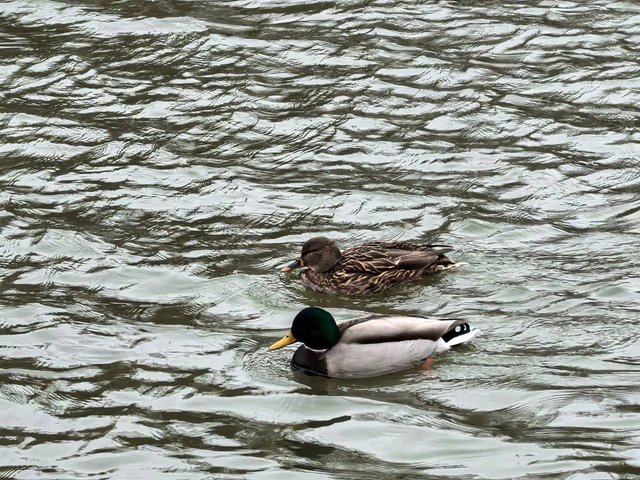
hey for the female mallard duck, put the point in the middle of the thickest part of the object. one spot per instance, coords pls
(369, 346)
(369, 268)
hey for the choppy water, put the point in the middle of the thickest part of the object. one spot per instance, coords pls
(159, 160)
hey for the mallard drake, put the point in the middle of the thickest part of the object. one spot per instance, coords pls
(368, 268)
(368, 346)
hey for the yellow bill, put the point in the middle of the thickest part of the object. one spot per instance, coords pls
(288, 339)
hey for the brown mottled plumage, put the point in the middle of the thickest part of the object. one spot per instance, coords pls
(369, 268)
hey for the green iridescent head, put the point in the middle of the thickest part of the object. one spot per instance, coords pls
(314, 327)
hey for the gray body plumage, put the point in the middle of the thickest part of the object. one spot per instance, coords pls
(374, 346)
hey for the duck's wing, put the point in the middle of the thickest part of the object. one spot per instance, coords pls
(409, 246)
(380, 257)
(412, 260)
(395, 329)
(369, 261)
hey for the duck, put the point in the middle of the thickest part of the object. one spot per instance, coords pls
(368, 346)
(368, 268)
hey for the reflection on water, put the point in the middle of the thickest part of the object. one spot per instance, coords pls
(159, 160)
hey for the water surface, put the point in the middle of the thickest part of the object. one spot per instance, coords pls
(160, 159)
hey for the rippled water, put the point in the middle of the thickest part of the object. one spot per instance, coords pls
(160, 159)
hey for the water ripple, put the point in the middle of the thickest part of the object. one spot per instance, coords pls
(161, 159)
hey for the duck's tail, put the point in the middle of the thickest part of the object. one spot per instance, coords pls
(455, 265)
(459, 335)
(440, 249)
(445, 263)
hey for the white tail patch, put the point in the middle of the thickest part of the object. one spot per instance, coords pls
(464, 338)
(454, 265)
